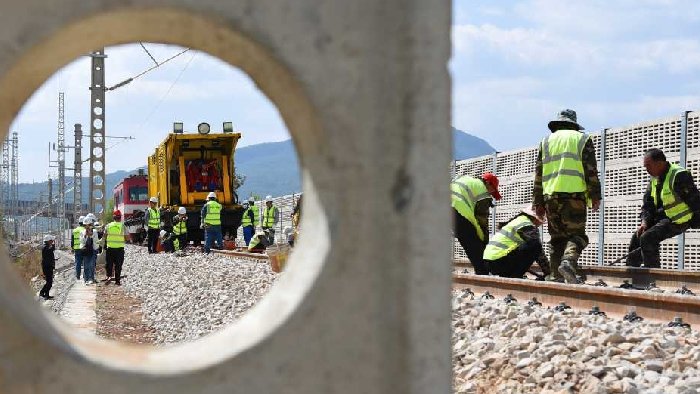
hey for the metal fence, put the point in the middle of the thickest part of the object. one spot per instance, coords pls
(623, 178)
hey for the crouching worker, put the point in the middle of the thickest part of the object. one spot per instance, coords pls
(168, 240)
(261, 240)
(517, 245)
(48, 263)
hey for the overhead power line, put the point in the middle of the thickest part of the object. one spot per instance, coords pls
(129, 80)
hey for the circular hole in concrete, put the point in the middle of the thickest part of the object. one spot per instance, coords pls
(236, 334)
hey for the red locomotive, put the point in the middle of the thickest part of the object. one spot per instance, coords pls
(131, 198)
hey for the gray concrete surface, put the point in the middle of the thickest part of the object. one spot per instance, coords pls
(364, 90)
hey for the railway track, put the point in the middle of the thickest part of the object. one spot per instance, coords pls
(670, 298)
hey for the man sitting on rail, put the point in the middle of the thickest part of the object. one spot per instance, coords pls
(261, 240)
(513, 249)
(671, 206)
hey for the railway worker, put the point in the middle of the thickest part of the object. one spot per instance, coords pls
(471, 203)
(115, 236)
(261, 240)
(48, 264)
(75, 245)
(180, 228)
(566, 182)
(270, 216)
(211, 223)
(513, 249)
(152, 220)
(168, 240)
(248, 221)
(89, 244)
(671, 205)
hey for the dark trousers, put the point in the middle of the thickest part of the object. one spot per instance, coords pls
(48, 274)
(516, 263)
(152, 236)
(472, 245)
(248, 232)
(182, 241)
(650, 242)
(114, 259)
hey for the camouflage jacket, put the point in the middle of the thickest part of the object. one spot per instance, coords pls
(683, 186)
(590, 168)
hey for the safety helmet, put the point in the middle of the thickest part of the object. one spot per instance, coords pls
(153, 200)
(251, 200)
(162, 233)
(245, 204)
(529, 211)
(287, 230)
(91, 216)
(211, 195)
(182, 210)
(268, 198)
(80, 219)
(48, 238)
(117, 213)
(88, 220)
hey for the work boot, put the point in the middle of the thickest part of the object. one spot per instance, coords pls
(568, 272)
(554, 278)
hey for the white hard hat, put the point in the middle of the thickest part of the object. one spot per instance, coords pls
(162, 233)
(80, 219)
(88, 220)
(211, 195)
(48, 237)
(153, 199)
(287, 230)
(251, 199)
(91, 216)
(182, 210)
(260, 233)
(268, 198)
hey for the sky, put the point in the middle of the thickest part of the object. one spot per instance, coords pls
(514, 65)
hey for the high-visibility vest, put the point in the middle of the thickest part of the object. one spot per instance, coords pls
(76, 237)
(153, 218)
(676, 210)
(213, 217)
(507, 238)
(269, 216)
(247, 221)
(180, 228)
(466, 192)
(562, 162)
(115, 235)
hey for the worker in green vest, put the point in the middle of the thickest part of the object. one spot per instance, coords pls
(211, 223)
(270, 215)
(180, 228)
(115, 237)
(671, 205)
(152, 219)
(566, 183)
(471, 203)
(516, 245)
(75, 245)
(248, 222)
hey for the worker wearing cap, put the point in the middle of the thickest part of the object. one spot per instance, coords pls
(516, 245)
(270, 215)
(115, 238)
(671, 205)
(180, 228)
(248, 221)
(153, 224)
(566, 182)
(48, 264)
(471, 203)
(211, 223)
(75, 245)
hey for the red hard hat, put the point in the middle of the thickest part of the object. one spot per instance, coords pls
(492, 180)
(117, 213)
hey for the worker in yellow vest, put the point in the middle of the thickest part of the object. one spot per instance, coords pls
(671, 205)
(75, 245)
(180, 228)
(211, 223)
(115, 237)
(248, 221)
(152, 219)
(566, 182)
(471, 203)
(516, 245)
(270, 215)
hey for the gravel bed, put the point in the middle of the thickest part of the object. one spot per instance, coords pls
(186, 297)
(514, 348)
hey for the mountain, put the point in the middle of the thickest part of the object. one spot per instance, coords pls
(270, 168)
